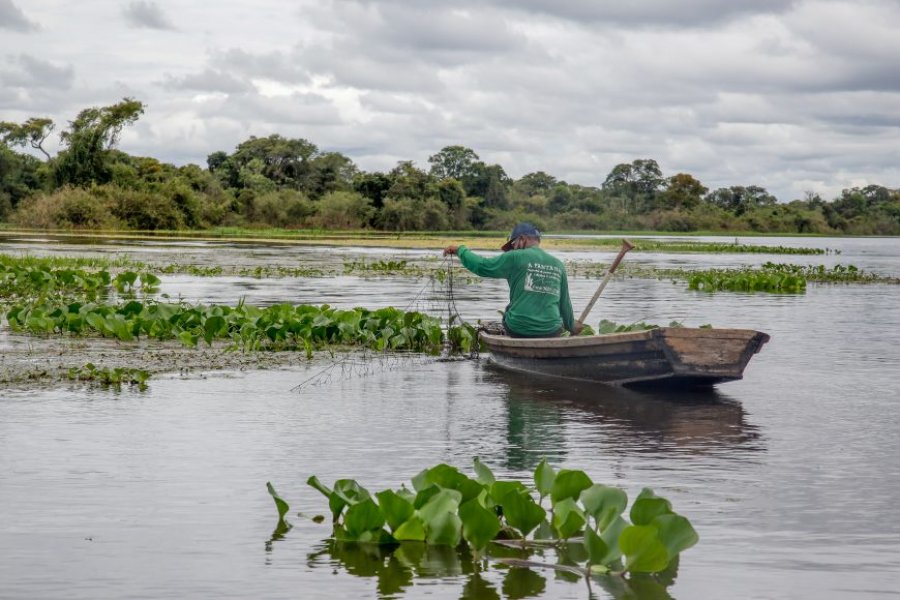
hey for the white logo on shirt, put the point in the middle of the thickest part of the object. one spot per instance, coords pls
(543, 279)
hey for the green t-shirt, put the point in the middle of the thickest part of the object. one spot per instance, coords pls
(539, 301)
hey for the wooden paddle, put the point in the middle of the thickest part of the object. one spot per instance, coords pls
(626, 246)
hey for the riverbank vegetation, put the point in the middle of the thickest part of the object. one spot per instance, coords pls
(476, 240)
(277, 182)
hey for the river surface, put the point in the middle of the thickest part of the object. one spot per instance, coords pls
(790, 476)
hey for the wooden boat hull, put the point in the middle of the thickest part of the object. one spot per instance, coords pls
(665, 356)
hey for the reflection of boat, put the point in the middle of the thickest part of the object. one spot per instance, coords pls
(667, 356)
(547, 415)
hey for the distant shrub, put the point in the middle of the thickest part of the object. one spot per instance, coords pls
(668, 220)
(284, 208)
(536, 204)
(145, 210)
(576, 219)
(5, 205)
(413, 214)
(66, 208)
(343, 210)
(109, 206)
(434, 215)
(184, 199)
(501, 220)
(215, 210)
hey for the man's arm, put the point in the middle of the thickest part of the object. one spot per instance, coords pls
(497, 267)
(565, 306)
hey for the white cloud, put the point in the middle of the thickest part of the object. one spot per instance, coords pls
(778, 93)
(277, 65)
(31, 74)
(12, 18)
(637, 13)
(146, 14)
(208, 80)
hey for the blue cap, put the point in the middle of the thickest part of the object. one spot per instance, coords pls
(518, 231)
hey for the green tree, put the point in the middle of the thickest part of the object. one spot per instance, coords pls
(739, 199)
(374, 186)
(452, 194)
(537, 183)
(32, 132)
(489, 182)
(400, 214)
(216, 160)
(683, 191)
(344, 210)
(408, 181)
(330, 172)
(89, 139)
(561, 198)
(453, 162)
(636, 184)
(224, 169)
(20, 176)
(281, 208)
(252, 177)
(286, 162)
(805, 216)
(413, 214)
(872, 209)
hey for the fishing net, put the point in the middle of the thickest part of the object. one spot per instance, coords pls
(436, 299)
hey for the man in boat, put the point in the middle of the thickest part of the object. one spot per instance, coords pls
(539, 303)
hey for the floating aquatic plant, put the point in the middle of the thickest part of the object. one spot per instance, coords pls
(31, 278)
(747, 280)
(836, 274)
(114, 377)
(445, 507)
(606, 326)
(277, 327)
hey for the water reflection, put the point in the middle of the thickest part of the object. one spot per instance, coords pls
(281, 529)
(640, 586)
(546, 415)
(523, 583)
(397, 568)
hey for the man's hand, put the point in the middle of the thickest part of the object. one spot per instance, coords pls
(450, 250)
(579, 327)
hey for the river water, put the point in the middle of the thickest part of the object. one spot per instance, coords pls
(790, 476)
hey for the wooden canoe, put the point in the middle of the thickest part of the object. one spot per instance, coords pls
(676, 356)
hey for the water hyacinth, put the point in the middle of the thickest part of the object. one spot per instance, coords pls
(779, 278)
(114, 377)
(47, 296)
(747, 280)
(445, 507)
(277, 327)
(836, 274)
(41, 279)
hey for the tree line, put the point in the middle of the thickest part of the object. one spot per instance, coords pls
(275, 181)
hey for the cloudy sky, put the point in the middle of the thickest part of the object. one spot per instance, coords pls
(794, 96)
